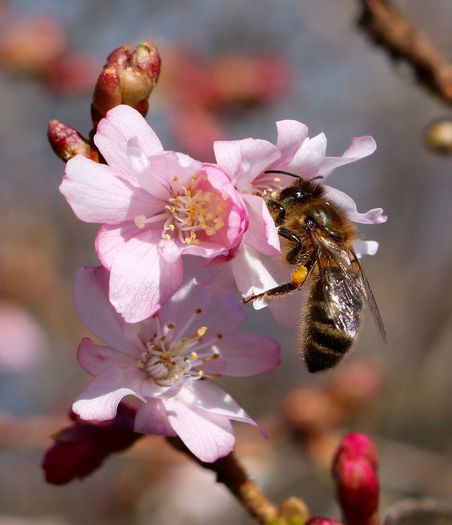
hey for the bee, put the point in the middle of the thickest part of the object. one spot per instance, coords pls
(317, 239)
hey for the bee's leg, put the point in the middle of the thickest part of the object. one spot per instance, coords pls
(282, 289)
(279, 208)
(292, 256)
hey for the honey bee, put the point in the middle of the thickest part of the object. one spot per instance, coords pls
(318, 241)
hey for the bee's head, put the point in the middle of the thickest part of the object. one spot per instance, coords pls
(301, 190)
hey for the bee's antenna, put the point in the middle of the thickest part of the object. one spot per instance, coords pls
(281, 172)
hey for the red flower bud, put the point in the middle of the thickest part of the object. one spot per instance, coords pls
(357, 489)
(82, 447)
(67, 142)
(323, 521)
(357, 445)
(128, 77)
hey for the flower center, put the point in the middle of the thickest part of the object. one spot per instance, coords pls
(168, 357)
(191, 212)
(266, 184)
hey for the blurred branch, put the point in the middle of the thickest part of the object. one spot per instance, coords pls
(389, 29)
(230, 473)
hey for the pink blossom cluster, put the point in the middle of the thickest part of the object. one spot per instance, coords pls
(167, 330)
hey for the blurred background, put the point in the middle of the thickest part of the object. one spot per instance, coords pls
(303, 60)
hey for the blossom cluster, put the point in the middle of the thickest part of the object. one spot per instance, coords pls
(177, 238)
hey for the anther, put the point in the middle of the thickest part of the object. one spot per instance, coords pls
(201, 331)
(140, 221)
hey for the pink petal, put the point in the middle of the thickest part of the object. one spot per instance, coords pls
(99, 402)
(95, 310)
(309, 157)
(95, 194)
(291, 135)
(151, 419)
(113, 133)
(141, 280)
(262, 234)
(374, 216)
(171, 171)
(255, 273)
(359, 148)
(365, 247)
(207, 397)
(244, 355)
(94, 358)
(220, 313)
(111, 238)
(245, 160)
(288, 310)
(207, 436)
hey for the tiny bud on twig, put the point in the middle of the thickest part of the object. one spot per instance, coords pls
(354, 470)
(128, 77)
(67, 142)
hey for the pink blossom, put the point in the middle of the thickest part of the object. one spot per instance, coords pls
(246, 161)
(155, 207)
(162, 360)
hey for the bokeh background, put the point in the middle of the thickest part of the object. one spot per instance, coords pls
(324, 72)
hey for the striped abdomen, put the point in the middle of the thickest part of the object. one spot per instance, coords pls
(329, 328)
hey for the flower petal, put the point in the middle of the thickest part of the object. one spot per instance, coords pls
(308, 159)
(365, 247)
(99, 402)
(206, 396)
(95, 194)
(220, 313)
(206, 435)
(374, 216)
(94, 358)
(141, 279)
(262, 234)
(151, 419)
(95, 310)
(245, 159)
(244, 355)
(111, 238)
(113, 133)
(291, 135)
(359, 148)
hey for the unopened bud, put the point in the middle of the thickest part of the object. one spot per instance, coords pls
(323, 521)
(128, 77)
(67, 142)
(357, 445)
(82, 447)
(357, 490)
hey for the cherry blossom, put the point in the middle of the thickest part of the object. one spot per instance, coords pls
(154, 206)
(247, 162)
(168, 362)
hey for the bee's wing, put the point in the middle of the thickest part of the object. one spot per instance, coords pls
(370, 297)
(343, 287)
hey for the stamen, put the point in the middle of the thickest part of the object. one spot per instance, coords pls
(140, 221)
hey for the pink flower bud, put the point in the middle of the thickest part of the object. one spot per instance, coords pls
(82, 447)
(357, 445)
(357, 489)
(323, 521)
(128, 77)
(67, 142)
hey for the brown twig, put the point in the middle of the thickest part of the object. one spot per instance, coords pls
(231, 473)
(403, 41)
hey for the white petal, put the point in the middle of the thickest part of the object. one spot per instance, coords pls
(374, 216)
(151, 419)
(359, 148)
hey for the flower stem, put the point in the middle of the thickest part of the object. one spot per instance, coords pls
(233, 476)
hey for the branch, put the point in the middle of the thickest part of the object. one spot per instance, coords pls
(229, 472)
(390, 30)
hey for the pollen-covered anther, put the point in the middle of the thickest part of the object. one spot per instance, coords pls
(140, 221)
(193, 211)
(201, 331)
